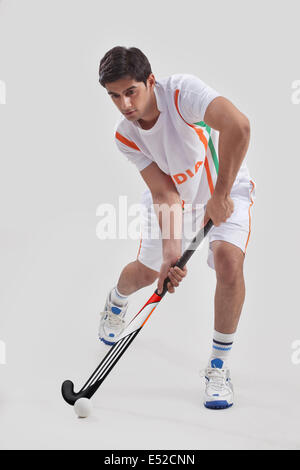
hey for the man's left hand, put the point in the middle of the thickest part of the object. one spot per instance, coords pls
(219, 208)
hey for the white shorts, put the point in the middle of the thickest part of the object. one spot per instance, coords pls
(235, 230)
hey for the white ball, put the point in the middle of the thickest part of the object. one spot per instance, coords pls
(83, 407)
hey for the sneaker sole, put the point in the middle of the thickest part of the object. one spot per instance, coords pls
(108, 343)
(217, 405)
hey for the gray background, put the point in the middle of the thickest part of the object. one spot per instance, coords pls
(59, 162)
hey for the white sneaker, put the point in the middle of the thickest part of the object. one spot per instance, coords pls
(219, 390)
(112, 323)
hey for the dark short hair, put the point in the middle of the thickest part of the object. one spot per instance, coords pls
(120, 62)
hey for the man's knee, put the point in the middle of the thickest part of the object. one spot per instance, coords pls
(229, 261)
(146, 275)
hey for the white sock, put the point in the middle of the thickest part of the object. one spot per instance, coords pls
(117, 298)
(222, 344)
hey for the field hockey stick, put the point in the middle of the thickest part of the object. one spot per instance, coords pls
(131, 331)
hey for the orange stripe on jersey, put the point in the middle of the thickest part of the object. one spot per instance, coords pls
(251, 204)
(201, 136)
(127, 142)
(209, 178)
(198, 130)
(204, 141)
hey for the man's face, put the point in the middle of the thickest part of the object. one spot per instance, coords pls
(131, 98)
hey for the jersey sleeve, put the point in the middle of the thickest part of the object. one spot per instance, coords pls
(131, 151)
(194, 98)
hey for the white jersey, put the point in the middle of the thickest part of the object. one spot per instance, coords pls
(180, 142)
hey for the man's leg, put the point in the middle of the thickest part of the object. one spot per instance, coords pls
(135, 276)
(229, 299)
(230, 289)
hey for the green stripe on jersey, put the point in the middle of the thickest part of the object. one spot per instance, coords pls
(214, 154)
(210, 144)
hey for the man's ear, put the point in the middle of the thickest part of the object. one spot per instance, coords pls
(151, 80)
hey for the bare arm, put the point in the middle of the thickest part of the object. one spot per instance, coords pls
(167, 205)
(165, 195)
(234, 129)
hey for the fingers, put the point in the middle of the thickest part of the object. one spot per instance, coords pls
(170, 287)
(175, 275)
(159, 286)
(163, 275)
(219, 212)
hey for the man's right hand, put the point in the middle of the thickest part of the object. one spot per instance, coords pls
(175, 274)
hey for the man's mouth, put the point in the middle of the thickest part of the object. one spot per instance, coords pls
(129, 112)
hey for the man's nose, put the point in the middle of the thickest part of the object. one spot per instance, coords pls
(126, 102)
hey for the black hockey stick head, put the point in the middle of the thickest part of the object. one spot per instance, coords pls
(67, 390)
(70, 396)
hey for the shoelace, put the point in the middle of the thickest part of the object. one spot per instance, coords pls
(216, 377)
(114, 320)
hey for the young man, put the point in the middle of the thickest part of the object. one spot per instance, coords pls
(189, 144)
